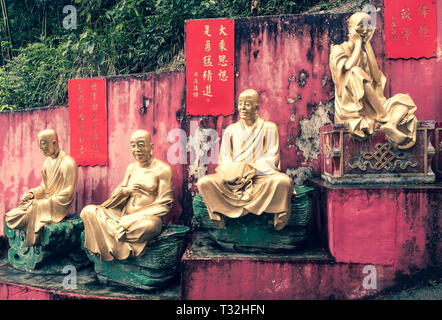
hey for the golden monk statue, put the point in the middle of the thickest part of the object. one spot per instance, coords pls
(50, 201)
(247, 179)
(359, 89)
(123, 225)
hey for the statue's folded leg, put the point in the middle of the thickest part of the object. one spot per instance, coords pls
(16, 218)
(209, 187)
(99, 232)
(141, 229)
(279, 188)
(105, 235)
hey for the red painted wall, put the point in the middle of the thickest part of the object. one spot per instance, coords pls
(272, 55)
(420, 78)
(21, 159)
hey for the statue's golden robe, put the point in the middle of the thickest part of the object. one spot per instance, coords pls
(351, 105)
(122, 226)
(247, 179)
(52, 198)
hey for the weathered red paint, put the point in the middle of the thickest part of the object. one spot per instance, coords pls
(394, 229)
(276, 279)
(282, 57)
(21, 292)
(384, 225)
(21, 159)
(14, 291)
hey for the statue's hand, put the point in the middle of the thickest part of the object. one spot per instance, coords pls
(369, 35)
(27, 196)
(126, 191)
(355, 37)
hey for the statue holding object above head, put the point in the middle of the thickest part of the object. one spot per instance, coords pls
(247, 179)
(359, 89)
(50, 201)
(122, 226)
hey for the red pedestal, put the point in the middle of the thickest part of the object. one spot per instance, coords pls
(374, 160)
(392, 230)
(19, 285)
(208, 273)
(395, 226)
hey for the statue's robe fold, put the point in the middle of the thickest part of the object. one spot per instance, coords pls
(351, 105)
(114, 233)
(247, 179)
(52, 198)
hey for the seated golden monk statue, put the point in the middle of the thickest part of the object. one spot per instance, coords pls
(359, 89)
(122, 226)
(247, 179)
(50, 201)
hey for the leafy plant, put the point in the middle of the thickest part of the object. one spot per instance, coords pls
(112, 37)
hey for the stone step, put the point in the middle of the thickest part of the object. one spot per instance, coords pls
(211, 273)
(19, 285)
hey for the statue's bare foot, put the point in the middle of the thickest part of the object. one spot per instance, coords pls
(393, 133)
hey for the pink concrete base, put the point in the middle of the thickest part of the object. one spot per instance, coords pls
(19, 285)
(395, 229)
(398, 226)
(14, 291)
(244, 277)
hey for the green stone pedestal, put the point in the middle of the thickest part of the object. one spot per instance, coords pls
(252, 233)
(60, 246)
(153, 270)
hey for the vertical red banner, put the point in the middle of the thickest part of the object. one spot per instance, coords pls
(410, 29)
(88, 121)
(210, 67)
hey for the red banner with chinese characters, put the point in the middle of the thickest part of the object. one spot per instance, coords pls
(410, 29)
(210, 67)
(88, 120)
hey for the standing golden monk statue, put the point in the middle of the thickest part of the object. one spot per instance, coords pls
(359, 89)
(247, 179)
(50, 201)
(123, 225)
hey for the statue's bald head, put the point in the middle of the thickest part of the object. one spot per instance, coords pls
(251, 94)
(48, 134)
(142, 146)
(248, 105)
(48, 142)
(141, 134)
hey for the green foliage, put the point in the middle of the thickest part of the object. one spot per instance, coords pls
(37, 76)
(112, 37)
